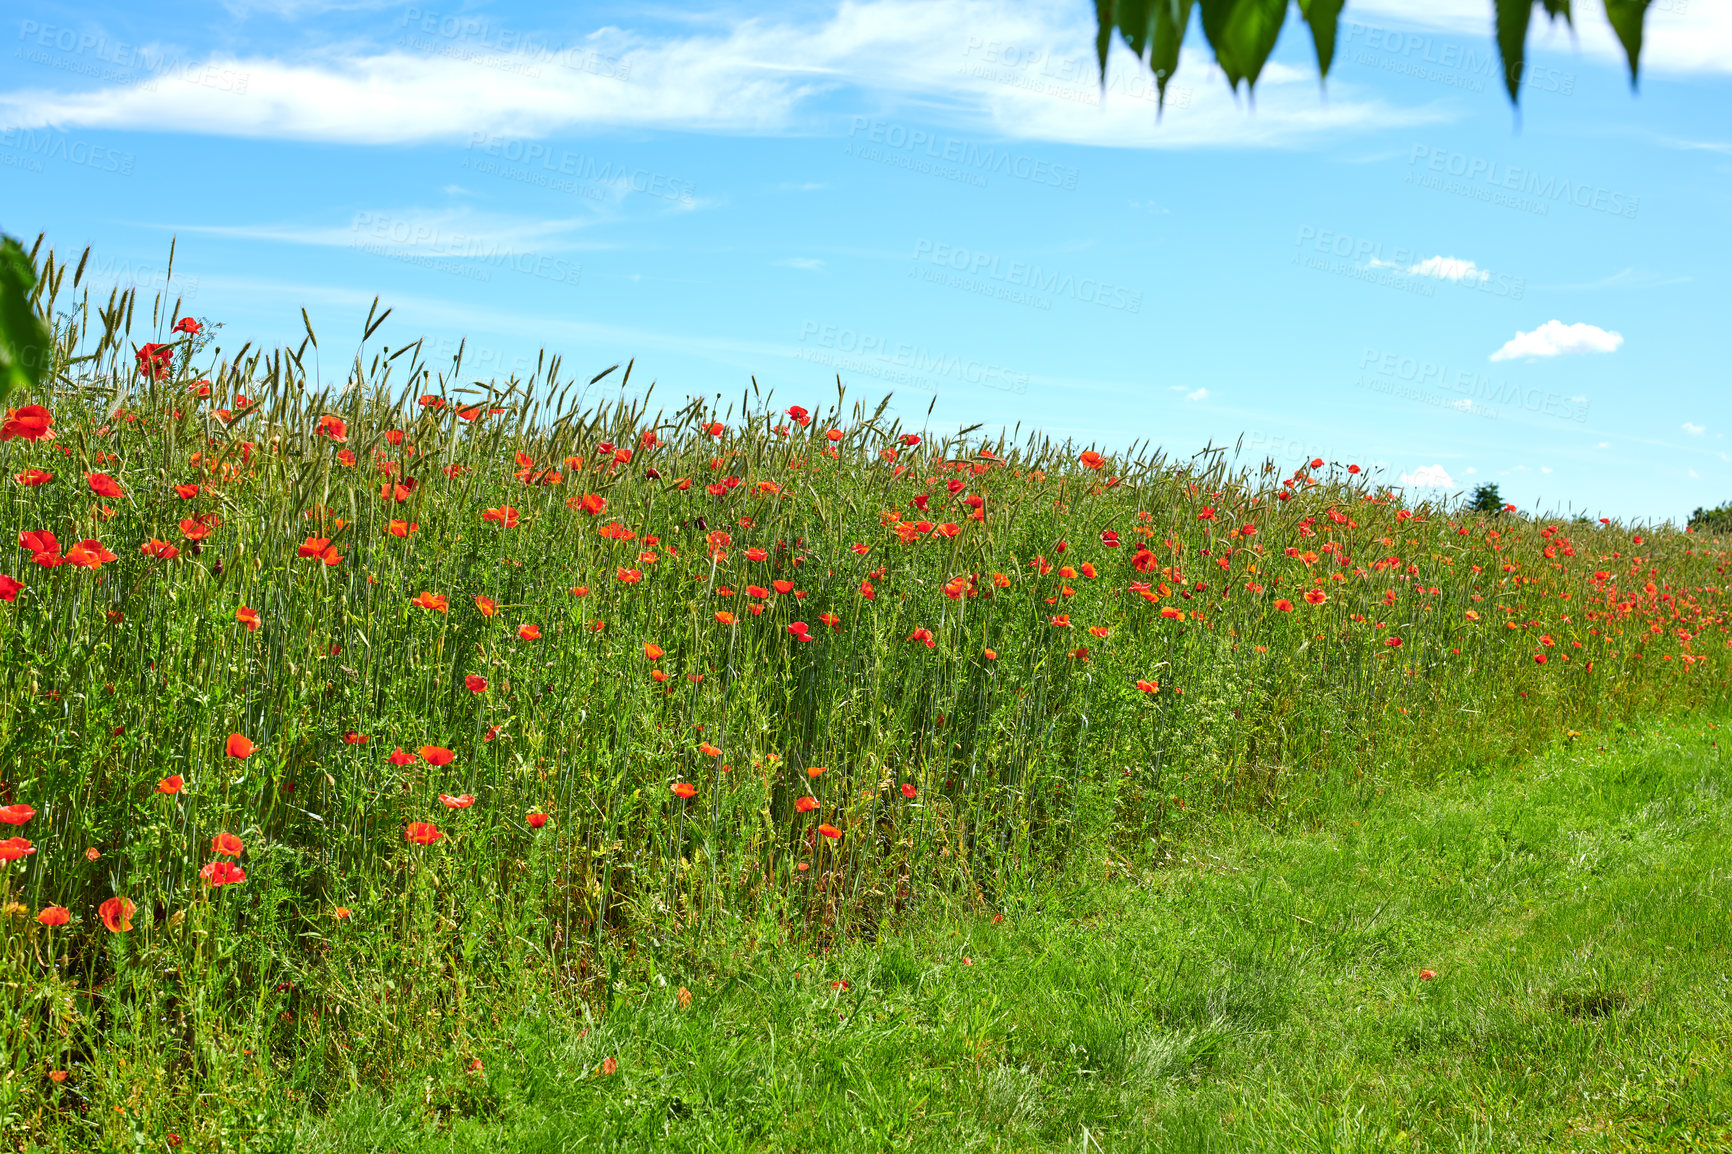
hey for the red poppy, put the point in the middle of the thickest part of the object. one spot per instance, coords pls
(223, 873)
(117, 914)
(1392, 642)
(833, 435)
(239, 746)
(1148, 686)
(815, 770)
(103, 485)
(226, 844)
(249, 617)
(1427, 975)
(319, 548)
(461, 801)
(829, 831)
(1284, 605)
(171, 784)
(529, 632)
(1170, 611)
(88, 554)
(399, 757)
(16, 814)
(161, 550)
(14, 848)
(909, 440)
(908, 790)
(9, 588)
(535, 820)
(724, 617)
(805, 804)
(332, 427)
(425, 600)
(923, 634)
(33, 477)
(628, 576)
(715, 428)
(475, 683)
(1092, 459)
(436, 755)
(708, 750)
(196, 530)
(54, 916)
(684, 789)
(353, 738)
(153, 360)
(32, 423)
(422, 833)
(401, 528)
(1315, 597)
(1061, 620)
(187, 325)
(505, 515)
(801, 631)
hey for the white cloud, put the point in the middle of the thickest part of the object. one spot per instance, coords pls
(1603, 445)
(1449, 268)
(1197, 395)
(1428, 477)
(1555, 338)
(1693, 429)
(759, 76)
(806, 263)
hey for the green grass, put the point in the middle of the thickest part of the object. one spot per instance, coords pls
(1258, 992)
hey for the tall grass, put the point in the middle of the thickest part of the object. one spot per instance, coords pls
(1017, 654)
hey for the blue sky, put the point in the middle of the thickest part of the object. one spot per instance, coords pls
(932, 197)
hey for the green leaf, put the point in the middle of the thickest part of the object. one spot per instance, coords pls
(24, 336)
(1322, 15)
(1512, 36)
(1152, 29)
(1242, 33)
(1626, 18)
(1170, 19)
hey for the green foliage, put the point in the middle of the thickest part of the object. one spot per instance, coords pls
(1242, 33)
(24, 335)
(1717, 520)
(1485, 499)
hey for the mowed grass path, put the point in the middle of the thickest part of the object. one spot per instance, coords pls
(1259, 992)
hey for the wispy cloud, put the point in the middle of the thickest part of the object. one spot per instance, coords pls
(760, 76)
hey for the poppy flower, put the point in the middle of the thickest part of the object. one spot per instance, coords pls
(1539, 659)
(33, 477)
(830, 831)
(505, 515)
(402, 528)
(1284, 605)
(1315, 597)
(724, 617)
(909, 440)
(103, 485)
(1148, 686)
(833, 621)
(1169, 611)
(422, 833)
(461, 801)
(715, 428)
(535, 820)
(1427, 975)
(1392, 642)
(188, 326)
(32, 423)
(425, 600)
(529, 632)
(226, 844)
(800, 631)
(332, 427)
(436, 755)
(908, 790)
(171, 784)
(815, 770)
(805, 804)
(399, 757)
(923, 634)
(153, 360)
(708, 750)
(16, 814)
(239, 746)
(14, 848)
(475, 683)
(54, 916)
(989, 654)
(88, 554)
(117, 914)
(319, 548)
(628, 576)
(223, 873)
(799, 416)
(684, 789)
(249, 617)
(353, 738)
(833, 435)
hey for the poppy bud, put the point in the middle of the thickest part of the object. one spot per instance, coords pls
(652, 473)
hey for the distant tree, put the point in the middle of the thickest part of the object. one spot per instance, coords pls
(1712, 520)
(1486, 499)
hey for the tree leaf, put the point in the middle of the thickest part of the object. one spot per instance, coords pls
(1242, 33)
(1322, 15)
(1625, 17)
(1512, 36)
(24, 336)
(1170, 19)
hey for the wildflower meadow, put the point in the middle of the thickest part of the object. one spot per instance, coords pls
(348, 702)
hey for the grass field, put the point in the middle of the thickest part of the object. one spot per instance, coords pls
(356, 721)
(1263, 991)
